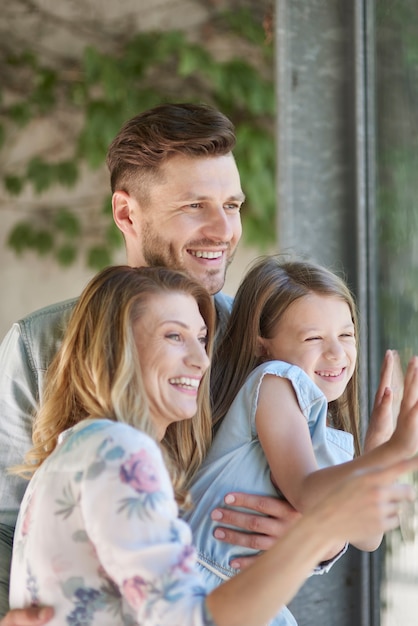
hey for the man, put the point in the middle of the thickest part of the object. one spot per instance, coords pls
(176, 199)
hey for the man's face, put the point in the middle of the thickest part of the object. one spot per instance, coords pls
(191, 220)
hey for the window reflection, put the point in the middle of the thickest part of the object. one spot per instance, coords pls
(397, 219)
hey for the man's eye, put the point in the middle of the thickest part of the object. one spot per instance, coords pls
(312, 338)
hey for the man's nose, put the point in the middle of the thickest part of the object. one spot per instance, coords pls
(218, 225)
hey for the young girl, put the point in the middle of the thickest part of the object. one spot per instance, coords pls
(286, 399)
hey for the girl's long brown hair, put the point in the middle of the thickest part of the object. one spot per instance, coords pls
(268, 289)
(96, 372)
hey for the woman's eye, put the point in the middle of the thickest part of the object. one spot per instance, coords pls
(312, 338)
(203, 340)
(173, 336)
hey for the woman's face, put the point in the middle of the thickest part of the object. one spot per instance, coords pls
(316, 333)
(171, 340)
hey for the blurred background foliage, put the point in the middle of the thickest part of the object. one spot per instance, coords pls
(397, 167)
(104, 86)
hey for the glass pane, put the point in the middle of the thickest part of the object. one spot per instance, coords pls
(397, 215)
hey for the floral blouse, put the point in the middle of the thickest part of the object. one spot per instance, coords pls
(99, 538)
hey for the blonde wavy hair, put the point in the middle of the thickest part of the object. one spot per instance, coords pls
(265, 293)
(96, 372)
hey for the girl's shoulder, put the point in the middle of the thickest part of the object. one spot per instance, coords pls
(282, 369)
(307, 392)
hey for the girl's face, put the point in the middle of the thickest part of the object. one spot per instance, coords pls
(316, 333)
(171, 340)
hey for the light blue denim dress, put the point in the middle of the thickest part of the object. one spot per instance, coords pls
(236, 462)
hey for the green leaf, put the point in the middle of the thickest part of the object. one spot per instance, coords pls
(21, 237)
(244, 24)
(43, 95)
(43, 242)
(67, 222)
(192, 59)
(107, 205)
(98, 257)
(66, 173)
(20, 113)
(13, 184)
(113, 236)
(66, 255)
(40, 174)
(113, 80)
(26, 57)
(92, 61)
(98, 131)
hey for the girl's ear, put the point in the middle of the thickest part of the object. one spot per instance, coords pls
(261, 348)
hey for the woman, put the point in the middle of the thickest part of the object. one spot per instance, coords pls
(123, 427)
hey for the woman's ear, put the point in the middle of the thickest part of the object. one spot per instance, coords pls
(261, 348)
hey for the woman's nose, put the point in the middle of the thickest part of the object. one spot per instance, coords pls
(197, 356)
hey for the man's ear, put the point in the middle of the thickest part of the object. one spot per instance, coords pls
(261, 348)
(122, 211)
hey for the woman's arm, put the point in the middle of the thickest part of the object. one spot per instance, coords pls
(366, 503)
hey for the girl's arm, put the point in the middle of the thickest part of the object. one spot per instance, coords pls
(287, 445)
(285, 438)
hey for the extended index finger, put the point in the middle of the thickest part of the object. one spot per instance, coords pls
(386, 372)
(410, 394)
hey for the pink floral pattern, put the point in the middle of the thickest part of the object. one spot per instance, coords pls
(187, 560)
(117, 554)
(135, 591)
(140, 473)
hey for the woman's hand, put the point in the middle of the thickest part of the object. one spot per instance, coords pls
(32, 616)
(369, 501)
(259, 532)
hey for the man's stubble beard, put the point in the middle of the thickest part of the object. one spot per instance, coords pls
(157, 252)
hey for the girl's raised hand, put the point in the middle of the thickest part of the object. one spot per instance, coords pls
(386, 403)
(405, 436)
